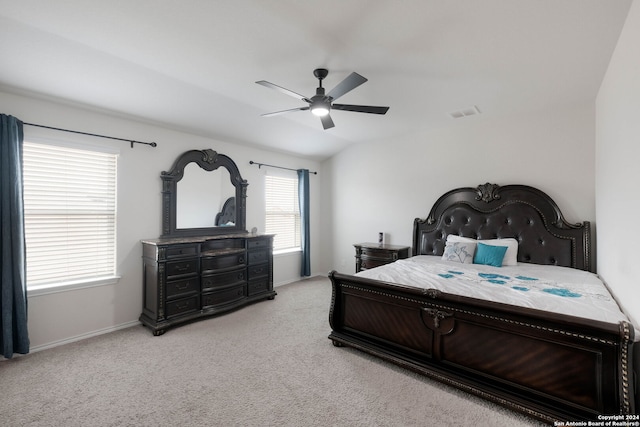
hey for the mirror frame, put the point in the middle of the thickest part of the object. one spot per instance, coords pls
(208, 160)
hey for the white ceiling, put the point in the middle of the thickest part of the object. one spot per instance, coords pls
(192, 65)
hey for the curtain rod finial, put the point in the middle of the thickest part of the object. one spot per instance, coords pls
(151, 144)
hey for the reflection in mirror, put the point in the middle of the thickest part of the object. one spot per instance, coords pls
(201, 195)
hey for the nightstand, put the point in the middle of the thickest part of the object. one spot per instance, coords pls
(369, 255)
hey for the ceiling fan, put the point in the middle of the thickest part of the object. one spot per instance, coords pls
(321, 104)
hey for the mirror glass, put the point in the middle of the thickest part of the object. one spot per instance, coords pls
(200, 195)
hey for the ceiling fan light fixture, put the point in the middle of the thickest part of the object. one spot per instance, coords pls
(320, 109)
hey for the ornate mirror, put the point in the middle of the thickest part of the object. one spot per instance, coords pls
(203, 194)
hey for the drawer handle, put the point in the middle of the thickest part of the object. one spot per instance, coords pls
(181, 286)
(240, 292)
(182, 306)
(259, 270)
(185, 268)
(241, 259)
(241, 276)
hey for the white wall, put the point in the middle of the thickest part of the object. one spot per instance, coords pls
(382, 186)
(66, 316)
(617, 168)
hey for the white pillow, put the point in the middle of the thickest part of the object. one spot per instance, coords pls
(510, 257)
(459, 252)
(454, 238)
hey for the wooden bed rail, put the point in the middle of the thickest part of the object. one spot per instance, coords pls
(549, 366)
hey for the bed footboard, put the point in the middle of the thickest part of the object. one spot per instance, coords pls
(551, 367)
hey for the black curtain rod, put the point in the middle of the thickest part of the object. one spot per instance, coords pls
(251, 162)
(153, 144)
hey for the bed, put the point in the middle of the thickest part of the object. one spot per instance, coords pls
(549, 365)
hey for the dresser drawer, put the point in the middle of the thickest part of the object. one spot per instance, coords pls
(182, 306)
(182, 287)
(181, 251)
(371, 263)
(379, 254)
(255, 271)
(257, 243)
(224, 296)
(213, 281)
(223, 244)
(258, 286)
(182, 268)
(256, 257)
(222, 262)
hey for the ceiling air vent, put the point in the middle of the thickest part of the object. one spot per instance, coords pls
(469, 111)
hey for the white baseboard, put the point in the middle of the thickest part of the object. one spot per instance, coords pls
(83, 336)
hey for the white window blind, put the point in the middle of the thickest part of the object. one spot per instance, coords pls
(282, 211)
(70, 214)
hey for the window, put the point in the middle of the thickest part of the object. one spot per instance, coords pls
(282, 211)
(70, 214)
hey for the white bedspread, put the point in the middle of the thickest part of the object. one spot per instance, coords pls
(549, 288)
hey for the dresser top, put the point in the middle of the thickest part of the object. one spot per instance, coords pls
(200, 239)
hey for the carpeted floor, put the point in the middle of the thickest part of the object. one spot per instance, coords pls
(268, 364)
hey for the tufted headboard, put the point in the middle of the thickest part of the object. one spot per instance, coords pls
(228, 212)
(519, 211)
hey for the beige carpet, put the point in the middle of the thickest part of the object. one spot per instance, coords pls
(269, 364)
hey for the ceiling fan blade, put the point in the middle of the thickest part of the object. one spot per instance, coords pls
(327, 123)
(352, 81)
(283, 90)
(284, 111)
(360, 108)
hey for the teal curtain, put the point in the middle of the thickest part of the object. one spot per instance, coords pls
(303, 199)
(14, 335)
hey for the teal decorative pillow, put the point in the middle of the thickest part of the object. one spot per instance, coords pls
(511, 256)
(489, 255)
(459, 252)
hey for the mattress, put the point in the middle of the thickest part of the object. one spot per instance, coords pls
(543, 287)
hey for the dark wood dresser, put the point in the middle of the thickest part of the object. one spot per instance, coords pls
(369, 255)
(186, 278)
